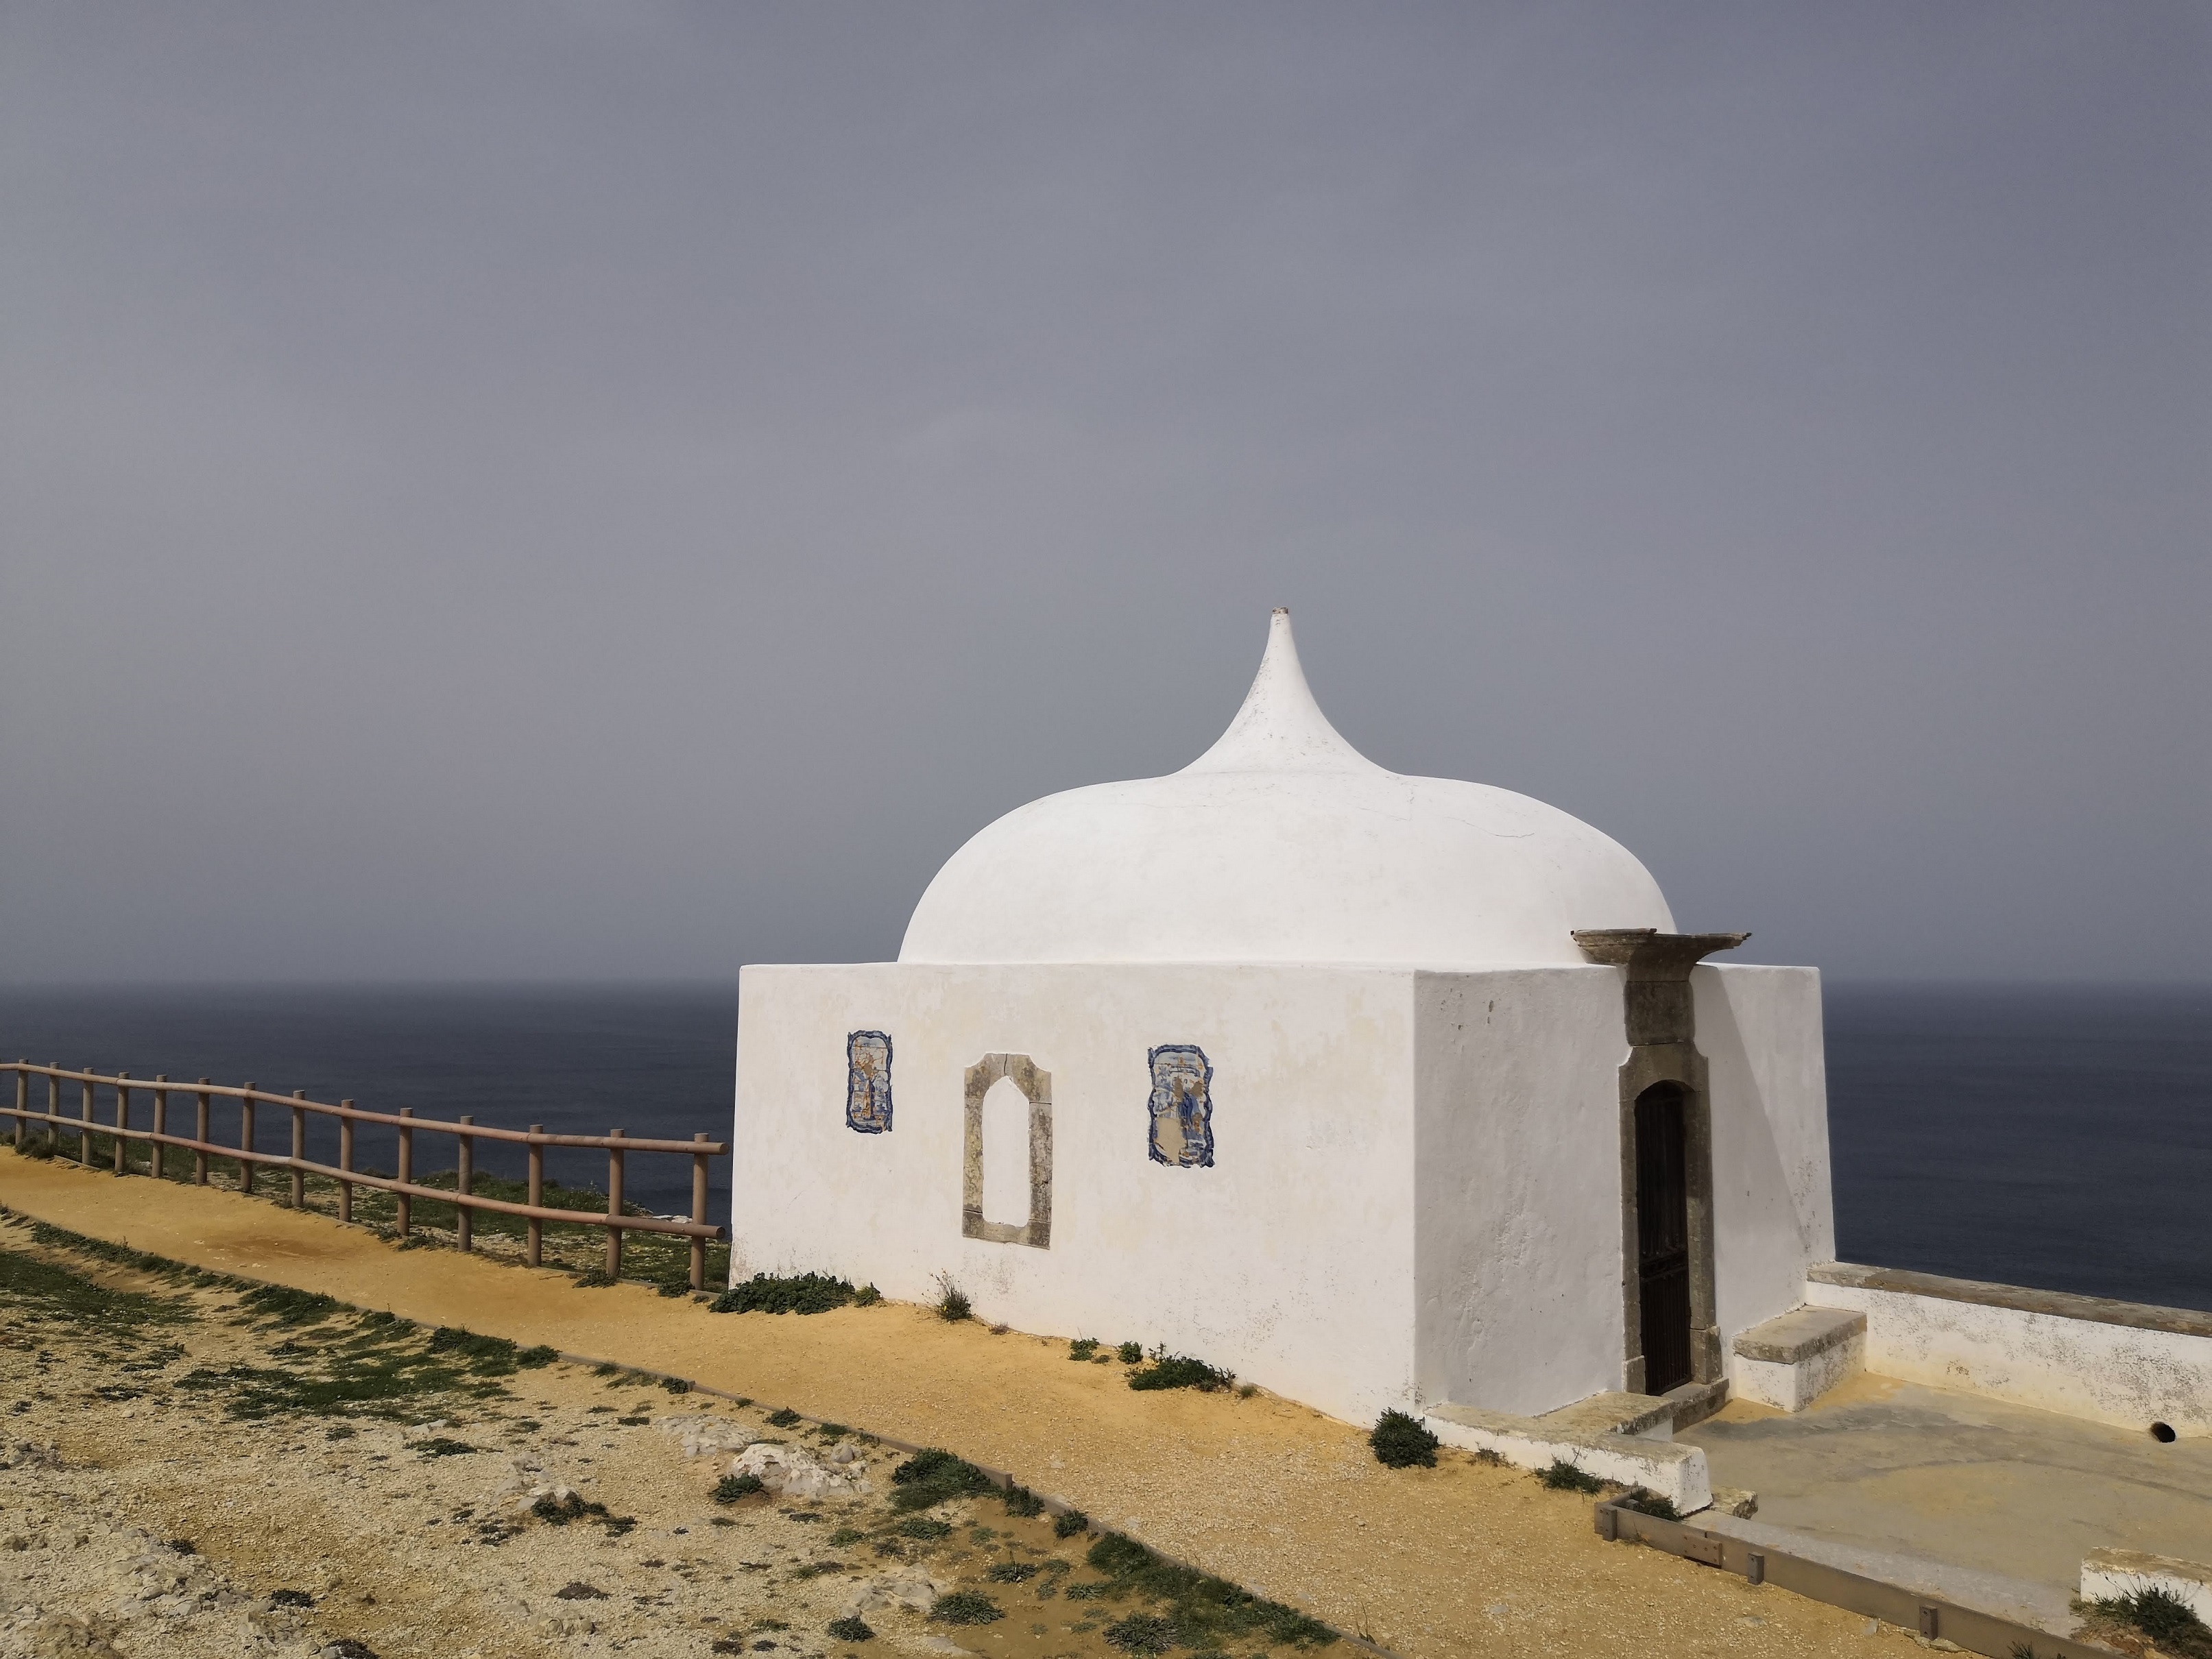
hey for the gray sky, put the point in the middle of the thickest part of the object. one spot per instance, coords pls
(622, 491)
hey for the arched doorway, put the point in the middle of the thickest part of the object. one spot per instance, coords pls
(1663, 1228)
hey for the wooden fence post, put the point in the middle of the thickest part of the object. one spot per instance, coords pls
(158, 1160)
(345, 1162)
(200, 1134)
(698, 1214)
(465, 1186)
(84, 1135)
(245, 1140)
(122, 1116)
(53, 1107)
(22, 1105)
(537, 1198)
(299, 1151)
(406, 1171)
(614, 1207)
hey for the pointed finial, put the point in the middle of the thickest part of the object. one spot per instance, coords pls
(1281, 728)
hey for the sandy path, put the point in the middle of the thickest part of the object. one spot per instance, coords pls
(1459, 1559)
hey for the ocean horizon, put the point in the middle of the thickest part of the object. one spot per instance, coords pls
(2048, 1135)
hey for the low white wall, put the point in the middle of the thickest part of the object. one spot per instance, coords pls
(1792, 1387)
(1678, 1473)
(1774, 1214)
(2107, 1361)
(1517, 1178)
(1291, 1261)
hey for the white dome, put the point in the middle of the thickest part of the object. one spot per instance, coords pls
(1282, 843)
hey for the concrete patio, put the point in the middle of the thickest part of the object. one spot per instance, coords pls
(1992, 1505)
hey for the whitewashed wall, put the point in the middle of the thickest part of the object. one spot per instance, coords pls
(1518, 1156)
(1773, 1207)
(1289, 1261)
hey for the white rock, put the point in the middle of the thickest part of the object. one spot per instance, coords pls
(909, 1587)
(701, 1434)
(794, 1472)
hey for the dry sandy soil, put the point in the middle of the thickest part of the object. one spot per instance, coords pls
(1462, 1559)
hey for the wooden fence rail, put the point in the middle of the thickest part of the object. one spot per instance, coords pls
(466, 1131)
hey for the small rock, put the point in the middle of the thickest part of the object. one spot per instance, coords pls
(909, 1587)
(794, 1472)
(701, 1434)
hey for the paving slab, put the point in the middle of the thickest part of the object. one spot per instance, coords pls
(1882, 1468)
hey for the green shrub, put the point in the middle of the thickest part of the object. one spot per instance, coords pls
(1083, 1347)
(1021, 1501)
(1181, 1371)
(1011, 1573)
(732, 1487)
(801, 1293)
(1069, 1523)
(2162, 1615)
(1130, 1353)
(850, 1629)
(1143, 1634)
(1401, 1441)
(922, 1526)
(966, 1607)
(784, 1418)
(1563, 1476)
(933, 1475)
(953, 1302)
(1651, 1502)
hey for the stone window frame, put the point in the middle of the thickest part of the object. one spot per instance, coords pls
(1036, 1086)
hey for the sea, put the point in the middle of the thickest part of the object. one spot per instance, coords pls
(2053, 1136)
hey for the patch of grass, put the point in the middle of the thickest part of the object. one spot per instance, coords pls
(1083, 1347)
(1130, 1353)
(2163, 1617)
(922, 1526)
(850, 1628)
(1011, 1573)
(485, 1356)
(1401, 1441)
(441, 1446)
(784, 1418)
(530, 1359)
(282, 1305)
(966, 1607)
(592, 1278)
(934, 1476)
(1069, 1523)
(59, 1292)
(1563, 1476)
(1021, 1501)
(1143, 1634)
(1181, 1371)
(952, 1303)
(845, 1535)
(832, 1432)
(732, 1487)
(866, 1297)
(801, 1293)
(1202, 1609)
(1649, 1503)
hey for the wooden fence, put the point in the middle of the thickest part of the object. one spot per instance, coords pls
(465, 1131)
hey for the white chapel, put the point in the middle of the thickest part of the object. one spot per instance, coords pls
(1378, 1090)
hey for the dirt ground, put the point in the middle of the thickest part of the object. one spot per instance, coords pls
(1463, 1559)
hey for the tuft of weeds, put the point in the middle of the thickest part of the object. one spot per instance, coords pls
(1083, 1347)
(1649, 1503)
(933, 1476)
(784, 1418)
(866, 1297)
(532, 1358)
(850, 1628)
(2160, 1614)
(486, 1356)
(1401, 1441)
(844, 1536)
(832, 1432)
(1011, 1573)
(1068, 1522)
(441, 1446)
(732, 1487)
(801, 1293)
(676, 1384)
(1179, 1370)
(1143, 1634)
(924, 1527)
(1563, 1476)
(1203, 1609)
(560, 1511)
(592, 1278)
(1130, 1353)
(966, 1607)
(1021, 1501)
(952, 1303)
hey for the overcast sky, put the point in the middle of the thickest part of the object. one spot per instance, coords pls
(622, 490)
